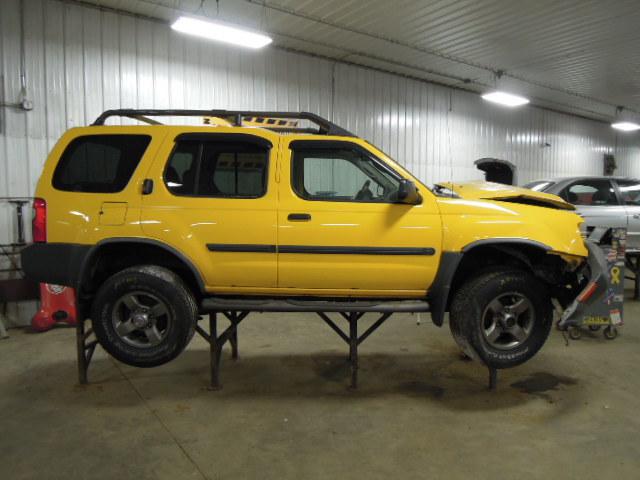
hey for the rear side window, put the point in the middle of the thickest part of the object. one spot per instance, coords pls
(228, 169)
(99, 163)
(590, 192)
(630, 191)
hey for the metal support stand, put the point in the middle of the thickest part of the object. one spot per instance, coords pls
(216, 342)
(3, 329)
(353, 340)
(86, 346)
(493, 379)
(351, 313)
(85, 350)
(632, 261)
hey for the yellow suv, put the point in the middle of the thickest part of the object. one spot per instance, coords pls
(149, 221)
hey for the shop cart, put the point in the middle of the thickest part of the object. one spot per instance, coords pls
(607, 312)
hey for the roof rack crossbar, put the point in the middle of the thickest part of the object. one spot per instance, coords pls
(325, 127)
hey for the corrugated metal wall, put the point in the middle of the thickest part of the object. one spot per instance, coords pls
(81, 60)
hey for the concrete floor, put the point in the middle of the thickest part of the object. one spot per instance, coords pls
(285, 411)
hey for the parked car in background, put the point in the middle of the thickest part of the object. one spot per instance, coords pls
(601, 201)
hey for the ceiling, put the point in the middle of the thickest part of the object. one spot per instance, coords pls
(577, 56)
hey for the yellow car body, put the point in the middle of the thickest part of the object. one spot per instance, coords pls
(264, 208)
(187, 224)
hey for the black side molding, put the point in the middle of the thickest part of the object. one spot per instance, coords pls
(339, 250)
(240, 248)
(356, 250)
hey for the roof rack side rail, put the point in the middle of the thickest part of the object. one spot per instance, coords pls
(325, 126)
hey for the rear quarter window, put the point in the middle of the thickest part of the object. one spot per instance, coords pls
(99, 163)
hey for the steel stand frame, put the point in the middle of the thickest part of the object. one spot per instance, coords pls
(86, 345)
(493, 379)
(632, 262)
(85, 349)
(216, 342)
(352, 339)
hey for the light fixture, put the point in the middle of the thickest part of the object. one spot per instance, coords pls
(506, 99)
(220, 32)
(626, 126)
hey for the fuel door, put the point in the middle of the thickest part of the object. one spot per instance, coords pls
(113, 213)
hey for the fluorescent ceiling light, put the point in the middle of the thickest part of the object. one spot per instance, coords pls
(220, 32)
(626, 126)
(504, 98)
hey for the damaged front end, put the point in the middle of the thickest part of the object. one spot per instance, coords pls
(594, 295)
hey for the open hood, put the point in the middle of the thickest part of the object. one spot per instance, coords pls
(505, 193)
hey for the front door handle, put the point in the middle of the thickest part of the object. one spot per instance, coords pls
(299, 217)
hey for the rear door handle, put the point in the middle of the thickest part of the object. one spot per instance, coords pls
(299, 217)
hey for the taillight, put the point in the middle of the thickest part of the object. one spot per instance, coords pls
(39, 229)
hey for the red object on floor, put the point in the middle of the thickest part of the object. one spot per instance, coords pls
(57, 304)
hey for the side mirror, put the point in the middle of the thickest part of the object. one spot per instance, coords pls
(408, 193)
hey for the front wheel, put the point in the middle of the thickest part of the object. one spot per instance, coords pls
(144, 316)
(503, 317)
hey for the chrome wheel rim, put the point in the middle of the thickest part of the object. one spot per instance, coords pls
(508, 321)
(141, 319)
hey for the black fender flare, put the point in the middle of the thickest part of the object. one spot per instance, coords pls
(95, 249)
(440, 290)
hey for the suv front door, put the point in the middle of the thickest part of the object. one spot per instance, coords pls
(596, 201)
(341, 229)
(214, 200)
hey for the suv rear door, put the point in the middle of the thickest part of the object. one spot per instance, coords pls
(214, 200)
(340, 229)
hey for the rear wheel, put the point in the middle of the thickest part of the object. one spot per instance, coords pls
(503, 317)
(144, 316)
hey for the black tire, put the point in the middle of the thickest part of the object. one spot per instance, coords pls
(473, 314)
(144, 316)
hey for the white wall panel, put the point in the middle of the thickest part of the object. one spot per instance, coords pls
(81, 60)
(438, 132)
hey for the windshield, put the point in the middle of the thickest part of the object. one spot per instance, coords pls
(539, 186)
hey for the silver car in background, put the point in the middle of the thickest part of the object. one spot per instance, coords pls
(601, 201)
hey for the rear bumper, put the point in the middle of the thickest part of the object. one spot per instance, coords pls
(595, 291)
(55, 263)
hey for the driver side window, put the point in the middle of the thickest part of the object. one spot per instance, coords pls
(341, 175)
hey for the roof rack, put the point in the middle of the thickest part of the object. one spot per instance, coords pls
(325, 127)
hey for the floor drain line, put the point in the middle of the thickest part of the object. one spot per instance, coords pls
(159, 419)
